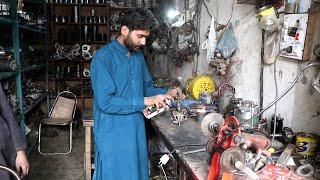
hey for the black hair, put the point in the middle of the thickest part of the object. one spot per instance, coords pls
(138, 19)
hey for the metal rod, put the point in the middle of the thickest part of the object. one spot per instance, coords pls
(194, 151)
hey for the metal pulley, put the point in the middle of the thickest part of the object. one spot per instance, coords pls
(229, 157)
(211, 124)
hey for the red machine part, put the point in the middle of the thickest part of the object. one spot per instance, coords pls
(227, 132)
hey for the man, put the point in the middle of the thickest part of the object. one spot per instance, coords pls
(122, 88)
(12, 145)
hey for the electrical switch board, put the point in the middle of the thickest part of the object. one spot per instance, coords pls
(293, 34)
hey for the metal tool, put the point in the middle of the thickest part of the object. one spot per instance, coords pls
(229, 157)
(211, 124)
(194, 151)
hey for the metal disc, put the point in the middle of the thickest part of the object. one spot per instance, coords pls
(209, 120)
(229, 157)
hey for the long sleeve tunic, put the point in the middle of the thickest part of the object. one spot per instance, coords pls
(120, 82)
(11, 140)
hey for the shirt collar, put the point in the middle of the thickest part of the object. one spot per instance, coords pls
(119, 46)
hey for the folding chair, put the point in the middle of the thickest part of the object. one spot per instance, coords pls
(61, 114)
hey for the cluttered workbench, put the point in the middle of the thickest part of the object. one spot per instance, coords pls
(184, 141)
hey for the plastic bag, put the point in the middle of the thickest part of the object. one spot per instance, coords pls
(228, 43)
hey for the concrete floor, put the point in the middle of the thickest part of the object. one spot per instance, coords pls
(58, 167)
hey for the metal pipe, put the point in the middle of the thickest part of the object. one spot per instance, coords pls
(285, 92)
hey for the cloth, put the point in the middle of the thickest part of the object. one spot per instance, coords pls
(11, 139)
(120, 82)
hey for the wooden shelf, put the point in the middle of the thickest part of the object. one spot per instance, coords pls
(68, 79)
(64, 23)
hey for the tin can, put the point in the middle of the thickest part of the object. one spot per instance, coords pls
(307, 144)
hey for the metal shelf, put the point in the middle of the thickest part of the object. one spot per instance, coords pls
(6, 20)
(33, 67)
(30, 28)
(5, 75)
(29, 108)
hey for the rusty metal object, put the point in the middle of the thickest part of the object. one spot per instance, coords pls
(229, 157)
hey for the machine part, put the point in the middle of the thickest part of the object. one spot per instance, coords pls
(194, 151)
(287, 134)
(206, 98)
(178, 116)
(211, 124)
(220, 65)
(86, 55)
(285, 155)
(259, 143)
(225, 92)
(307, 144)
(228, 130)
(85, 48)
(201, 84)
(305, 170)
(245, 110)
(245, 169)
(229, 157)
(210, 145)
(86, 72)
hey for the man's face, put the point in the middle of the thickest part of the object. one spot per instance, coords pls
(136, 39)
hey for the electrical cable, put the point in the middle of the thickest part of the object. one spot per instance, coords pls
(285, 92)
(275, 104)
(165, 175)
(205, 5)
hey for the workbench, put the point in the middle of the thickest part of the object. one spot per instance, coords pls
(194, 165)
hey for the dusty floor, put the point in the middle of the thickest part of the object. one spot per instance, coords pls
(59, 167)
(71, 167)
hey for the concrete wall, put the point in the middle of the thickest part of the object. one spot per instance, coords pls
(299, 107)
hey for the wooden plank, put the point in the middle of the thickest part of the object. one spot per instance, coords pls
(307, 50)
(88, 153)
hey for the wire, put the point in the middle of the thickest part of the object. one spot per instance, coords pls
(186, 145)
(205, 5)
(275, 104)
(165, 175)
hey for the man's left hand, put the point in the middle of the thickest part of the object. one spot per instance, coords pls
(177, 93)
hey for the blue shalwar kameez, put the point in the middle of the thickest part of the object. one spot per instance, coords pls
(120, 82)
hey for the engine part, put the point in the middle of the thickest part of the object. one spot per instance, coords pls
(225, 92)
(246, 110)
(305, 170)
(211, 124)
(257, 142)
(206, 98)
(229, 157)
(200, 84)
(86, 72)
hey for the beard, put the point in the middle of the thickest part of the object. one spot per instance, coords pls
(130, 44)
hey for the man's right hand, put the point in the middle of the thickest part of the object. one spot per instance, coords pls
(158, 100)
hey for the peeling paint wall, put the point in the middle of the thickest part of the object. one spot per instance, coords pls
(300, 107)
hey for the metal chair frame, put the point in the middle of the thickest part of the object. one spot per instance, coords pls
(64, 124)
(12, 172)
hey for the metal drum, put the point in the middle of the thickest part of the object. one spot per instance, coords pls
(307, 144)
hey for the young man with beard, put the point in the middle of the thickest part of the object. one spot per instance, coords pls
(122, 88)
